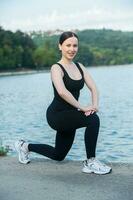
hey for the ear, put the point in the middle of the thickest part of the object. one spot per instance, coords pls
(59, 47)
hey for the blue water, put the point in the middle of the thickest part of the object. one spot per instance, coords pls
(24, 100)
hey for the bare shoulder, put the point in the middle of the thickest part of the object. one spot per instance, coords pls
(87, 75)
(56, 69)
(82, 66)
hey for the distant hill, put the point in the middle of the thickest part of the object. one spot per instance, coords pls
(38, 50)
(97, 47)
(107, 38)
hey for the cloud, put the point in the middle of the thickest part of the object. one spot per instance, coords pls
(93, 18)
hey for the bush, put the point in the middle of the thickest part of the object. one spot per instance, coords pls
(3, 151)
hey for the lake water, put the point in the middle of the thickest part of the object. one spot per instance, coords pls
(24, 100)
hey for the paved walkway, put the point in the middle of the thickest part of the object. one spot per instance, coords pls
(49, 180)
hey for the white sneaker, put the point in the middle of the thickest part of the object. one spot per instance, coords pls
(22, 149)
(93, 165)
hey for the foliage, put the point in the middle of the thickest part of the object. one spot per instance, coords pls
(3, 151)
(16, 50)
(109, 47)
(45, 55)
(40, 49)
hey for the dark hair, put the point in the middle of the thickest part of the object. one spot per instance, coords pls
(66, 35)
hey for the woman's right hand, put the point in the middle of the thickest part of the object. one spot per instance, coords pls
(88, 110)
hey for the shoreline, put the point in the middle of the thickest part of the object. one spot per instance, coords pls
(22, 72)
(40, 157)
(52, 180)
(32, 71)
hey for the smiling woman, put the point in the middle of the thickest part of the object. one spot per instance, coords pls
(68, 47)
(65, 114)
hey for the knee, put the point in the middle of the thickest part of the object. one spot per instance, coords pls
(94, 120)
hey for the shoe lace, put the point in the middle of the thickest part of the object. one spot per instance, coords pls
(98, 162)
(95, 162)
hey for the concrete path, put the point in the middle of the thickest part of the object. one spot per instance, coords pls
(50, 180)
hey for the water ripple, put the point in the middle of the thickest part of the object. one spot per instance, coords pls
(24, 100)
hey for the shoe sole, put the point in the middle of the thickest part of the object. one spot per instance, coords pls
(95, 172)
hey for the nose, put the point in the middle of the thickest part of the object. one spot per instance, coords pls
(72, 48)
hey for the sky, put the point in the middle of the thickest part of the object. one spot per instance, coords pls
(44, 15)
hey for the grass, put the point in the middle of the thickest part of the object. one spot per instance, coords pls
(3, 151)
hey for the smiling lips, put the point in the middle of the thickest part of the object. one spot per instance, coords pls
(71, 54)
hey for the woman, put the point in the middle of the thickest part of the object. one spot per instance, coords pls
(65, 114)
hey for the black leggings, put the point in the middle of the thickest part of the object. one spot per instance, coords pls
(65, 136)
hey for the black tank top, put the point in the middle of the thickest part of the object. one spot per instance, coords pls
(73, 86)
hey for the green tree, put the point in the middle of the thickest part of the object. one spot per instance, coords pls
(84, 55)
(45, 56)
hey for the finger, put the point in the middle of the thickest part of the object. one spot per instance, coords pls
(87, 113)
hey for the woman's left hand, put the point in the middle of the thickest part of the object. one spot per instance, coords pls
(92, 110)
(89, 112)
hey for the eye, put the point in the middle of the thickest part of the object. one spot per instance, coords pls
(68, 45)
(75, 45)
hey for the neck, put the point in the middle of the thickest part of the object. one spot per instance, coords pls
(66, 61)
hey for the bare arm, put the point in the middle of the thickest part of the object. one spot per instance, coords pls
(92, 87)
(57, 79)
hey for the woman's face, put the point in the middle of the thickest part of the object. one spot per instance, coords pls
(69, 48)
